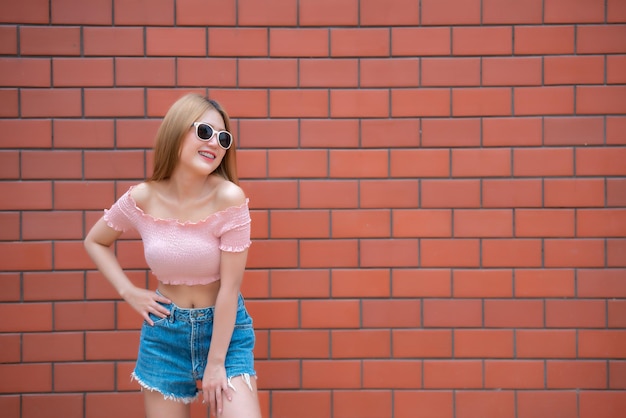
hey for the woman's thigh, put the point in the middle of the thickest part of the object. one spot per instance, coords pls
(159, 407)
(245, 402)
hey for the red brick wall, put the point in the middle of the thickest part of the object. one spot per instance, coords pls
(438, 191)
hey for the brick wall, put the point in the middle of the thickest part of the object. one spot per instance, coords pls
(438, 193)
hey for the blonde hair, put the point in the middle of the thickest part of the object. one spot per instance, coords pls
(176, 123)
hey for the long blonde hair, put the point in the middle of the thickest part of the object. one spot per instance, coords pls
(176, 123)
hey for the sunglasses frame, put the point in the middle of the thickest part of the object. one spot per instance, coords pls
(216, 134)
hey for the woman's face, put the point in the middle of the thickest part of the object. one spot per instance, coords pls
(201, 156)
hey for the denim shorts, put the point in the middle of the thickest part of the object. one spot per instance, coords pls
(173, 353)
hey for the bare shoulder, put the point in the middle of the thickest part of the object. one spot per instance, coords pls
(142, 193)
(229, 194)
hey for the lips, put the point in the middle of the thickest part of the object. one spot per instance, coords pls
(207, 154)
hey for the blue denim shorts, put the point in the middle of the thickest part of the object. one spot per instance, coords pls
(173, 353)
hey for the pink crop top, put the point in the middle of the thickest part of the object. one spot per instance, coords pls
(183, 252)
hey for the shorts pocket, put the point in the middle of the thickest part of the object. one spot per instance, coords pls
(244, 320)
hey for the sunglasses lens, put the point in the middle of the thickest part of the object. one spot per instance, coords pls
(205, 131)
(225, 140)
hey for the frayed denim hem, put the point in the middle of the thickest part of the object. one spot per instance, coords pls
(245, 377)
(166, 396)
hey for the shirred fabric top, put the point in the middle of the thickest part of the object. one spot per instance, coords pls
(183, 252)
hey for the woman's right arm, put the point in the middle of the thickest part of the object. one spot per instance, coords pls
(98, 244)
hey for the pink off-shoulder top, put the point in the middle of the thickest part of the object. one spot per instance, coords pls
(183, 252)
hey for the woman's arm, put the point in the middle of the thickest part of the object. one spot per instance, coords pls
(98, 245)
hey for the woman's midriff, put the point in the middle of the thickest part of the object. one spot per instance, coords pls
(190, 297)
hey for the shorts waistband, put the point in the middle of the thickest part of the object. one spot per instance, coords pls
(193, 314)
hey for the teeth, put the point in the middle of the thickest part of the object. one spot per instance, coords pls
(207, 154)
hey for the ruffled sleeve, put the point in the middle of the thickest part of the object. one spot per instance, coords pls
(119, 216)
(234, 228)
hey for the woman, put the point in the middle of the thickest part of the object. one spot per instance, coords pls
(194, 222)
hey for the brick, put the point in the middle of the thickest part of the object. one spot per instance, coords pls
(277, 72)
(573, 70)
(381, 313)
(84, 133)
(395, 12)
(349, 283)
(449, 253)
(450, 72)
(114, 164)
(518, 131)
(420, 41)
(328, 253)
(511, 71)
(483, 223)
(420, 102)
(515, 12)
(178, 42)
(450, 193)
(10, 227)
(360, 224)
(84, 316)
(417, 163)
(299, 42)
(338, 133)
(388, 253)
(111, 345)
(334, 194)
(73, 377)
(482, 40)
(485, 404)
(421, 343)
(616, 313)
(98, 12)
(362, 42)
(483, 343)
(272, 13)
(299, 344)
(487, 101)
(544, 283)
(206, 12)
(104, 404)
(361, 344)
(114, 102)
(30, 11)
(69, 72)
(517, 193)
(273, 314)
(573, 253)
(113, 41)
(578, 192)
(421, 283)
(52, 225)
(543, 100)
(258, 192)
(600, 39)
(85, 195)
(455, 313)
(553, 403)
(362, 103)
(330, 314)
(8, 40)
(575, 314)
(26, 378)
(367, 404)
(601, 343)
(404, 193)
(616, 12)
(328, 73)
(51, 165)
(327, 374)
(383, 374)
(315, 12)
(305, 404)
(299, 103)
(482, 283)
(546, 162)
(600, 162)
(601, 404)
(299, 224)
(421, 223)
(541, 40)
(376, 133)
(601, 283)
(9, 104)
(450, 12)
(616, 252)
(308, 283)
(11, 282)
(459, 132)
(358, 163)
(26, 195)
(614, 130)
(543, 343)
(131, 72)
(51, 103)
(10, 165)
(59, 346)
(514, 374)
(48, 405)
(514, 313)
(452, 374)
(423, 404)
(234, 42)
(137, 12)
(11, 348)
(600, 99)
(615, 69)
(576, 374)
(388, 72)
(617, 374)
(265, 254)
(49, 40)
(25, 256)
(283, 374)
(481, 162)
(560, 11)
(538, 223)
(24, 72)
(573, 131)
(601, 223)
(284, 133)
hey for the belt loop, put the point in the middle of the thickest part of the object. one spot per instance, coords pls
(172, 314)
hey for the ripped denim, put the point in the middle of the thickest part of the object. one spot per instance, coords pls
(173, 353)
